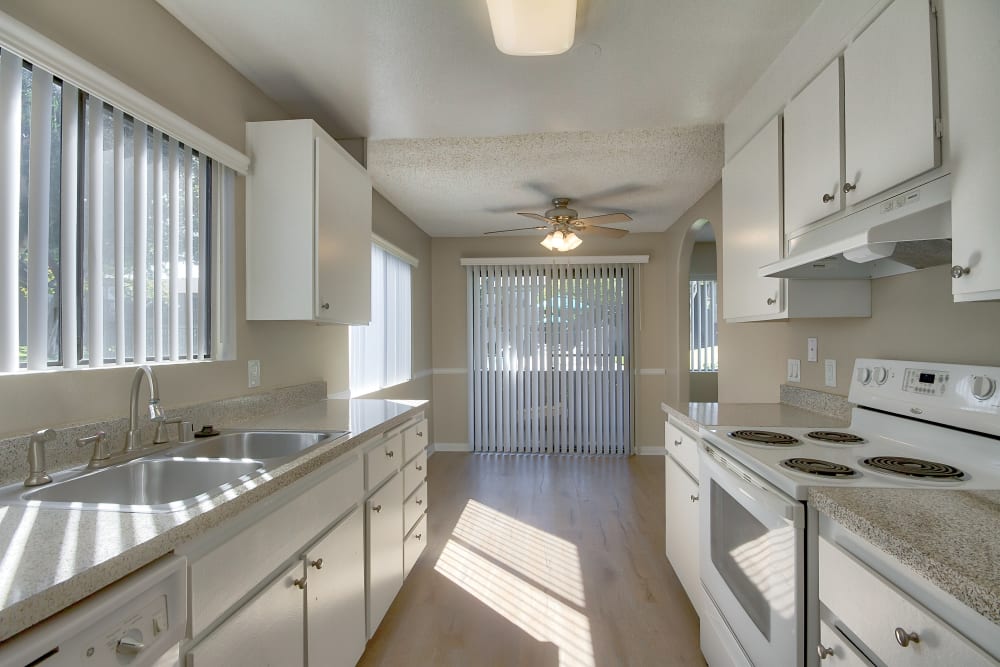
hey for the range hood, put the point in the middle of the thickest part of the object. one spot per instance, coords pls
(908, 231)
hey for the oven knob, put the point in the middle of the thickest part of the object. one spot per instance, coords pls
(881, 375)
(864, 375)
(983, 387)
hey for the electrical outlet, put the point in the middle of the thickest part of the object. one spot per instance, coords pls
(811, 349)
(253, 373)
(794, 370)
(830, 368)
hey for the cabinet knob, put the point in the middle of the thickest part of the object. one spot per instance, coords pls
(299, 583)
(420, 467)
(903, 638)
(418, 536)
(326, 306)
(823, 652)
(377, 508)
(420, 434)
(771, 301)
(420, 501)
(694, 497)
(827, 198)
(389, 453)
(678, 443)
(959, 271)
(318, 563)
(848, 187)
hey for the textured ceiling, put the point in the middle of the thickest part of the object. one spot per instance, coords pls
(397, 69)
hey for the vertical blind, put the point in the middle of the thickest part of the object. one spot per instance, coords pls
(109, 231)
(704, 326)
(381, 352)
(551, 358)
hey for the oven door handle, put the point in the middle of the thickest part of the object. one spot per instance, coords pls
(757, 491)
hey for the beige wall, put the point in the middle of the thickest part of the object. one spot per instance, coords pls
(141, 44)
(703, 259)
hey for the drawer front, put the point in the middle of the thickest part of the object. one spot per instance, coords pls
(683, 448)
(414, 508)
(382, 460)
(414, 545)
(415, 439)
(230, 571)
(836, 651)
(414, 474)
(873, 609)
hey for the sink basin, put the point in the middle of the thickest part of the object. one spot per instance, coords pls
(254, 445)
(148, 483)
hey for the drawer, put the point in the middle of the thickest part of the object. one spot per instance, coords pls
(415, 439)
(872, 609)
(382, 460)
(414, 473)
(224, 575)
(414, 507)
(414, 545)
(835, 651)
(683, 447)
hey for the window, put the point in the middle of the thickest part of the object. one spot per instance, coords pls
(704, 327)
(108, 232)
(380, 352)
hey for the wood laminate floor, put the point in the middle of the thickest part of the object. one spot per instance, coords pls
(542, 561)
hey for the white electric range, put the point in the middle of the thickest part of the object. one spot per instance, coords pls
(916, 425)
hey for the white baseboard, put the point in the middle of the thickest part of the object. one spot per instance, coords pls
(651, 451)
(450, 447)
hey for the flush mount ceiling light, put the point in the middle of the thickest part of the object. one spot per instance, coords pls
(533, 27)
(561, 241)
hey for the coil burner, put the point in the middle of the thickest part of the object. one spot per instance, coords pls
(918, 468)
(835, 437)
(820, 468)
(765, 438)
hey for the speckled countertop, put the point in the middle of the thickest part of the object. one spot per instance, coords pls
(749, 414)
(52, 558)
(952, 538)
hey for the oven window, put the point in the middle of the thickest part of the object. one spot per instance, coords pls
(740, 555)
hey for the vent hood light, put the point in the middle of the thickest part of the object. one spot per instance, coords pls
(533, 27)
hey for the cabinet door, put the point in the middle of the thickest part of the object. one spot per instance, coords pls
(682, 530)
(751, 208)
(343, 236)
(335, 612)
(385, 549)
(812, 150)
(890, 100)
(268, 631)
(973, 59)
(835, 651)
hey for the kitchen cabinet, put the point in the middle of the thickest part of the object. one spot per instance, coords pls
(813, 125)
(384, 512)
(835, 650)
(890, 101)
(308, 227)
(681, 511)
(969, 32)
(753, 236)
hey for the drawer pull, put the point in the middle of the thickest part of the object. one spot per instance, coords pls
(420, 501)
(694, 497)
(959, 271)
(678, 443)
(903, 638)
(823, 652)
(827, 198)
(377, 508)
(326, 306)
(419, 467)
(420, 434)
(418, 535)
(771, 301)
(849, 188)
(318, 563)
(299, 583)
(389, 453)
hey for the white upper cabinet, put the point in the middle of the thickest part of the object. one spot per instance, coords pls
(972, 57)
(309, 217)
(890, 101)
(813, 123)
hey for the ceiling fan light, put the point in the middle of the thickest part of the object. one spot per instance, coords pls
(572, 241)
(533, 27)
(550, 241)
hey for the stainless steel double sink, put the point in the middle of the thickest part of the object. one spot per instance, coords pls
(177, 478)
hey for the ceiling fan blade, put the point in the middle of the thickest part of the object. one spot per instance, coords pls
(617, 191)
(517, 229)
(537, 217)
(607, 219)
(603, 231)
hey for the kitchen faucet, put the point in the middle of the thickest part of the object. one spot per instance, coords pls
(133, 441)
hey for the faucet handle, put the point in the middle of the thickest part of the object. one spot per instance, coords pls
(185, 431)
(101, 452)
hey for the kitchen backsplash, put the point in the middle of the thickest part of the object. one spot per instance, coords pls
(831, 405)
(63, 453)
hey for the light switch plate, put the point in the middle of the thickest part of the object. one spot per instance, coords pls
(830, 372)
(794, 370)
(253, 373)
(811, 349)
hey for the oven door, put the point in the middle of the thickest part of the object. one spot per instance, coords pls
(752, 559)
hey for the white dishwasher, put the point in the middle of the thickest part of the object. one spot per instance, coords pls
(137, 621)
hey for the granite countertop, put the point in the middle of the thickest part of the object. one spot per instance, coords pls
(695, 415)
(53, 558)
(951, 538)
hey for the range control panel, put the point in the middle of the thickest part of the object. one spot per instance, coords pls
(954, 394)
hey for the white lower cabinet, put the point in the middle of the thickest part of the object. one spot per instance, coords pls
(335, 592)
(265, 632)
(835, 651)
(682, 529)
(384, 511)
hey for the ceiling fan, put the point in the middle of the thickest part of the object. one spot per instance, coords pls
(564, 223)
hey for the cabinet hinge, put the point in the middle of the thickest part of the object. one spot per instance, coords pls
(938, 128)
